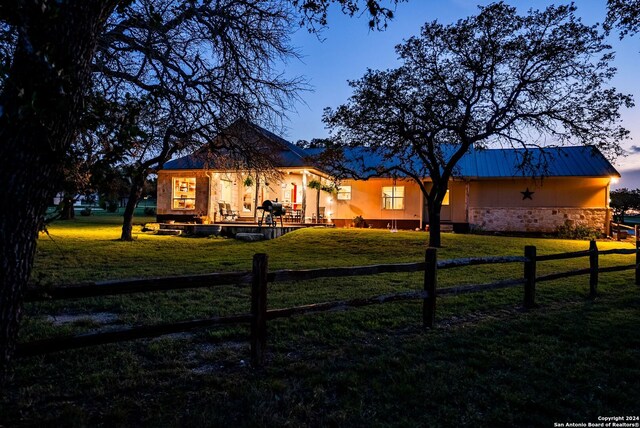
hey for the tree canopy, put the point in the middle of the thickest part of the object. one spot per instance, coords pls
(623, 15)
(623, 200)
(495, 78)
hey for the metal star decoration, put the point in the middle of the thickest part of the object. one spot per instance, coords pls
(527, 194)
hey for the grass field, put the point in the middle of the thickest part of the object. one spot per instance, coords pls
(488, 362)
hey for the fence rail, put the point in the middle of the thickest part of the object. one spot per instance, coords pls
(112, 288)
(260, 277)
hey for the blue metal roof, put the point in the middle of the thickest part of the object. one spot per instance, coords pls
(192, 161)
(572, 161)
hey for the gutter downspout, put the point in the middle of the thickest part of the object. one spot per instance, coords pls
(210, 210)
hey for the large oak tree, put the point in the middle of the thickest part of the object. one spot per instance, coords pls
(53, 54)
(495, 78)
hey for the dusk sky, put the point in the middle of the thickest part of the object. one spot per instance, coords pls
(348, 48)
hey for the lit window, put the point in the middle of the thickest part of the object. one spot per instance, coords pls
(184, 193)
(225, 190)
(344, 193)
(445, 201)
(393, 197)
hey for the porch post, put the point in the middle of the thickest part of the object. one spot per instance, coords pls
(303, 211)
(256, 199)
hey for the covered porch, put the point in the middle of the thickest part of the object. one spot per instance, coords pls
(238, 196)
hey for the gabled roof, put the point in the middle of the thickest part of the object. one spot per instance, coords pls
(570, 161)
(284, 153)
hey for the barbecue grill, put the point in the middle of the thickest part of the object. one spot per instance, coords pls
(271, 210)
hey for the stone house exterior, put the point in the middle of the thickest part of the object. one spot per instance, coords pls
(489, 192)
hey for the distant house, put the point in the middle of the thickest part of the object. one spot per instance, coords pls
(489, 192)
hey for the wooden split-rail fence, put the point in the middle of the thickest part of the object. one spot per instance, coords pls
(260, 277)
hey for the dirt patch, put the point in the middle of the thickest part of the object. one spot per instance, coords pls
(94, 317)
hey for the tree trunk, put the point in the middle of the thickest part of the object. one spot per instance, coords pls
(434, 224)
(137, 185)
(66, 208)
(41, 104)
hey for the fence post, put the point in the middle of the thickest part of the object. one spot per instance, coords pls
(593, 269)
(637, 229)
(430, 283)
(530, 277)
(259, 309)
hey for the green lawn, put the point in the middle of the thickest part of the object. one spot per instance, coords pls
(488, 362)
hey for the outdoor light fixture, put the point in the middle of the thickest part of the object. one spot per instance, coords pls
(614, 180)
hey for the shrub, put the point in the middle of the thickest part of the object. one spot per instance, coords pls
(576, 231)
(476, 228)
(86, 212)
(112, 206)
(109, 205)
(358, 221)
(149, 211)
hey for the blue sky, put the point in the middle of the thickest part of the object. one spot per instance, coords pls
(348, 48)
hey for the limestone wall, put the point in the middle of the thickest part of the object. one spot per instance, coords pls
(513, 219)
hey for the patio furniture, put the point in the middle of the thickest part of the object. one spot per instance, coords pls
(322, 218)
(231, 213)
(225, 211)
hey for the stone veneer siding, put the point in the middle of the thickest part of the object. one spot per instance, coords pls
(536, 219)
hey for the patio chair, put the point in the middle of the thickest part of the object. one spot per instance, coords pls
(320, 219)
(230, 213)
(222, 211)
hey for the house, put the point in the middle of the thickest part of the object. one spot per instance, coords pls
(490, 192)
(195, 186)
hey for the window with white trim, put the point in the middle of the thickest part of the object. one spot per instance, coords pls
(184, 193)
(344, 193)
(393, 197)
